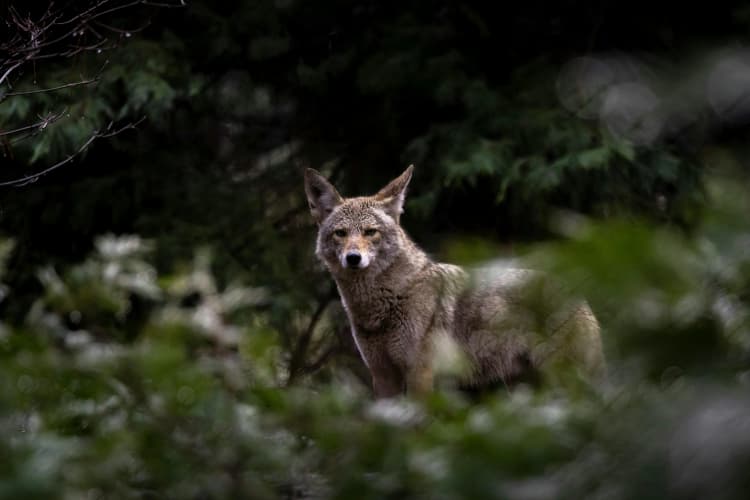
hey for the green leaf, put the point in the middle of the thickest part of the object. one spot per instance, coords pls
(595, 158)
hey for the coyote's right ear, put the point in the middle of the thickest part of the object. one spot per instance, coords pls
(321, 195)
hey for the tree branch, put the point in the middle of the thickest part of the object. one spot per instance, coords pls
(45, 37)
(50, 89)
(322, 359)
(296, 363)
(103, 132)
(40, 125)
(10, 70)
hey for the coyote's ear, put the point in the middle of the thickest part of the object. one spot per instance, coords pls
(392, 196)
(321, 195)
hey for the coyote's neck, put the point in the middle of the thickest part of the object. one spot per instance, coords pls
(369, 298)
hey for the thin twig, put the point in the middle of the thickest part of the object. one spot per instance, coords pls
(84, 13)
(114, 9)
(296, 363)
(9, 71)
(43, 123)
(93, 79)
(76, 49)
(50, 89)
(165, 5)
(322, 359)
(29, 179)
(34, 38)
(120, 30)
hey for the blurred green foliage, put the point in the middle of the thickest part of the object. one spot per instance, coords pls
(239, 97)
(207, 357)
(122, 383)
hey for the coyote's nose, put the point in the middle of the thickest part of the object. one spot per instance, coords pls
(353, 259)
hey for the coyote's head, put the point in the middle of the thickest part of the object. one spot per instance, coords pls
(357, 235)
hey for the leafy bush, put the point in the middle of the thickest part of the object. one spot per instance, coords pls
(125, 384)
(150, 370)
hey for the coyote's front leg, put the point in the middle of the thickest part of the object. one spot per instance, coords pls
(419, 380)
(387, 381)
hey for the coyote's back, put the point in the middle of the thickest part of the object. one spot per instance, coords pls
(402, 307)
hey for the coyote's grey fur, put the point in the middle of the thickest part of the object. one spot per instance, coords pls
(402, 306)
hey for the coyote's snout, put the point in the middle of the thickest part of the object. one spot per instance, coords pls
(400, 304)
(356, 246)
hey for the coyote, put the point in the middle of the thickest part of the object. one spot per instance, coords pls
(402, 307)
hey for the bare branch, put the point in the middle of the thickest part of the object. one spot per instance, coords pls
(50, 89)
(296, 362)
(76, 49)
(88, 81)
(40, 125)
(45, 37)
(165, 5)
(81, 15)
(121, 31)
(114, 9)
(321, 361)
(60, 31)
(106, 131)
(10, 70)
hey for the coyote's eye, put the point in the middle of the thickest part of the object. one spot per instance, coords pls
(340, 233)
(371, 231)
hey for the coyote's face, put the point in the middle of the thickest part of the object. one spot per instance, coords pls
(361, 235)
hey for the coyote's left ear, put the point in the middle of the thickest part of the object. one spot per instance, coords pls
(392, 196)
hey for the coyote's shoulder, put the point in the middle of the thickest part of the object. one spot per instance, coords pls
(401, 304)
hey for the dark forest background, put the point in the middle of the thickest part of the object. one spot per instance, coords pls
(165, 329)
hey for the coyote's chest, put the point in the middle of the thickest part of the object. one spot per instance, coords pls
(384, 325)
(378, 311)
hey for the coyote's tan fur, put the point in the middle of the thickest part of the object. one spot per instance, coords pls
(401, 304)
